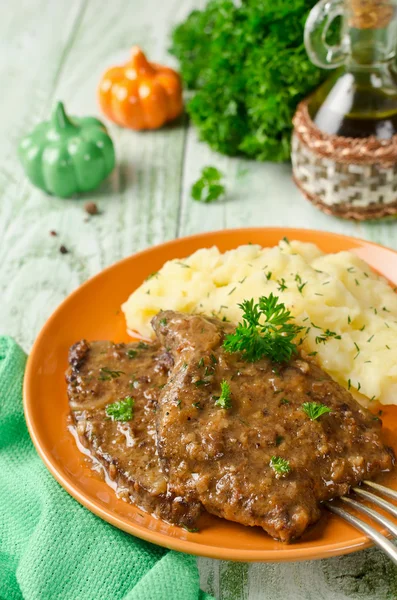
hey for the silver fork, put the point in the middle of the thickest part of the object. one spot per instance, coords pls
(380, 540)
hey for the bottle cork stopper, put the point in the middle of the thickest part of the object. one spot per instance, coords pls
(370, 14)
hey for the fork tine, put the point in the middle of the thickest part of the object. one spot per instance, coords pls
(387, 506)
(381, 488)
(379, 539)
(390, 526)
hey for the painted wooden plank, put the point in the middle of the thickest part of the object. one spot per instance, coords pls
(31, 58)
(140, 201)
(258, 194)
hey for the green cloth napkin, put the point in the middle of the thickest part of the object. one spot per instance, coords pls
(53, 548)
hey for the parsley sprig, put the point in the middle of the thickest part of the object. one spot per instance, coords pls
(208, 187)
(265, 330)
(280, 465)
(123, 410)
(225, 399)
(314, 410)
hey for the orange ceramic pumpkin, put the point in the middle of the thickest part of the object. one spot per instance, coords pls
(140, 94)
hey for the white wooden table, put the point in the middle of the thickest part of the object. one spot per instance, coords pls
(56, 49)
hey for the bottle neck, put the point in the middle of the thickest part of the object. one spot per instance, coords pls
(371, 48)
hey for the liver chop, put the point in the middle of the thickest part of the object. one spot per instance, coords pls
(221, 457)
(101, 373)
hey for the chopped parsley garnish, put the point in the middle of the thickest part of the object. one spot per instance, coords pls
(190, 530)
(358, 350)
(142, 346)
(200, 362)
(348, 319)
(280, 465)
(327, 334)
(225, 399)
(284, 401)
(370, 338)
(213, 359)
(286, 240)
(200, 382)
(314, 410)
(208, 187)
(154, 274)
(182, 264)
(281, 285)
(196, 405)
(231, 291)
(265, 330)
(268, 275)
(131, 353)
(163, 322)
(299, 284)
(123, 410)
(107, 374)
(312, 353)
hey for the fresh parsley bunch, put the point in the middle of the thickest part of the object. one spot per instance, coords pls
(249, 67)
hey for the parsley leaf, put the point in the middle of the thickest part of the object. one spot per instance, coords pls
(225, 399)
(264, 331)
(280, 465)
(123, 410)
(327, 334)
(209, 187)
(191, 529)
(314, 410)
(106, 374)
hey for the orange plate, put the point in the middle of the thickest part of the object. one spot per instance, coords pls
(93, 312)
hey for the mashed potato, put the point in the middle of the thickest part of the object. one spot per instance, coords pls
(349, 313)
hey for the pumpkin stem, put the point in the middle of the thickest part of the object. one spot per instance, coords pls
(60, 119)
(140, 62)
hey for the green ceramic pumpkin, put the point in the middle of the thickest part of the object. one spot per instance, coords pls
(67, 156)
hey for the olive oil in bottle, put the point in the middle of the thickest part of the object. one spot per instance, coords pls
(351, 106)
(360, 98)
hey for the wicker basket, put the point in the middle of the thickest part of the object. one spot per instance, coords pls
(347, 177)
